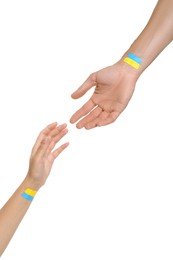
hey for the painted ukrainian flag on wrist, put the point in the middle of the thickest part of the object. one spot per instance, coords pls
(29, 194)
(133, 60)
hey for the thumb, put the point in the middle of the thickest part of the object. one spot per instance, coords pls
(89, 83)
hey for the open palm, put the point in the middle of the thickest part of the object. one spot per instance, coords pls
(114, 87)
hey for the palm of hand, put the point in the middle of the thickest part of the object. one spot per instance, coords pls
(113, 90)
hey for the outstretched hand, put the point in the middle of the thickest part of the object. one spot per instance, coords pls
(42, 155)
(114, 87)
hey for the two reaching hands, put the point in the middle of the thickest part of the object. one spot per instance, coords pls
(114, 86)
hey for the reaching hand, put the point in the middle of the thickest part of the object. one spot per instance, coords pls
(43, 156)
(114, 88)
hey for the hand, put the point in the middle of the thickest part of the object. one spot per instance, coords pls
(43, 155)
(114, 88)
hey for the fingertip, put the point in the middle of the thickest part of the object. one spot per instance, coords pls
(65, 145)
(62, 126)
(72, 120)
(79, 126)
(52, 125)
(65, 130)
(74, 95)
(88, 127)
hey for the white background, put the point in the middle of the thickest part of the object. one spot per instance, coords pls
(110, 193)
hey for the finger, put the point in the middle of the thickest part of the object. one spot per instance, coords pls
(94, 122)
(51, 131)
(57, 130)
(84, 110)
(55, 140)
(89, 83)
(110, 119)
(49, 128)
(48, 143)
(90, 117)
(59, 150)
(42, 135)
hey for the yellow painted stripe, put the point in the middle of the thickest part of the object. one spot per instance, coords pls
(30, 192)
(132, 63)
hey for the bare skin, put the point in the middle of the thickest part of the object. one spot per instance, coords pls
(42, 158)
(115, 84)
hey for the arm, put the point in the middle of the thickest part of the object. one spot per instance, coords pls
(114, 85)
(41, 161)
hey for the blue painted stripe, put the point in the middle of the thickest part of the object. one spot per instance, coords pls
(134, 57)
(27, 197)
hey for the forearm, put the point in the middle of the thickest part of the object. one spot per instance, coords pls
(42, 158)
(13, 212)
(157, 34)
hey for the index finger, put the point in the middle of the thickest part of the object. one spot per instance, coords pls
(84, 110)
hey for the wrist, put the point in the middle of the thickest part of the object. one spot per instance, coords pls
(140, 62)
(32, 183)
(128, 70)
